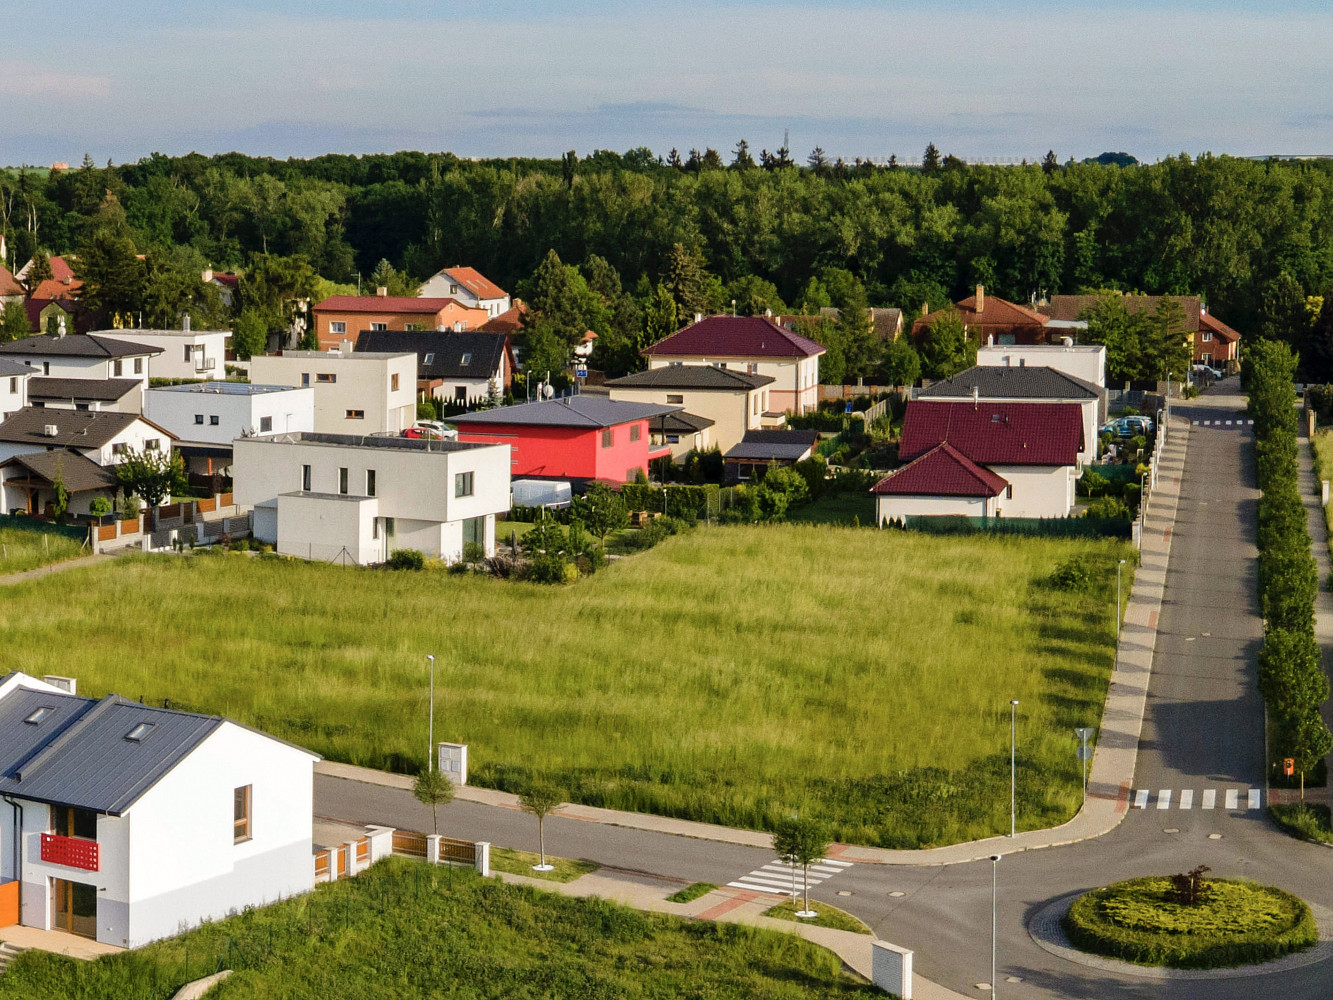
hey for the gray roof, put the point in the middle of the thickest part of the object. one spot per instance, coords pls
(74, 428)
(444, 349)
(76, 472)
(393, 441)
(77, 345)
(8, 368)
(567, 411)
(217, 387)
(130, 332)
(682, 423)
(790, 446)
(706, 377)
(1013, 382)
(106, 390)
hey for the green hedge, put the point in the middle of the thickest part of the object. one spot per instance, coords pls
(699, 500)
(1240, 923)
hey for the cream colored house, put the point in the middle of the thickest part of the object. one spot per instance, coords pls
(734, 401)
(356, 392)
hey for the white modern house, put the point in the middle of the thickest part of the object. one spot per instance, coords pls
(356, 392)
(185, 353)
(469, 286)
(208, 416)
(127, 823)
(121, 395)
(13, 386)
(340, 497)
(1086, 362)
(77, 355)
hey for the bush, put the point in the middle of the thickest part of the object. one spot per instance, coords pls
(1108, 507)
(551, 568)
(100, 507)
(1307, 820)
(1072, 575)
(406, 559)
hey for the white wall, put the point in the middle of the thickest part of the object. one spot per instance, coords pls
(326, 528)
(63, 367)
(1087, 363)
(888, 507)
(441, 286)
(363, 382)
(478, 389)
(179, 409)
(204, 345)
(1038, 490)
(795, 383)
(13, 394)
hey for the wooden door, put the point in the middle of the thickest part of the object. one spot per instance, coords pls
(74, 907)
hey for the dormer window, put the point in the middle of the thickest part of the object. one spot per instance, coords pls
(137, 734)
(39, 715)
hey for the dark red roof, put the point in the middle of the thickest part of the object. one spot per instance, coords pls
(386, 304)
(943, 471)
(8, 283)
(995, 433)
(1217, 327)
(509, 321)
(736, 337)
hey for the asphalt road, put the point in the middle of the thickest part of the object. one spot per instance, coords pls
(1203, 731)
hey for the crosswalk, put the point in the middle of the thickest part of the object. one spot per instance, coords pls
(1222, 423)
(781, 879)
(1167, 798)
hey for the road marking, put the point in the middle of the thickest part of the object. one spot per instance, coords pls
(1249, 423)
(1141, 799)
(1253, 802)
(1187, 798)
(1164, 799)
(1233, 798)
(777, 878)
(1228, 423)
(1209, 798)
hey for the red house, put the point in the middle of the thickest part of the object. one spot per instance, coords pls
(574, 437)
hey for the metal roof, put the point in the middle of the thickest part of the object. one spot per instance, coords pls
(220, 388)
(787, 445)
(567, 411)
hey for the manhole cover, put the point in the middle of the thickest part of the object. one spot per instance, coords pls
(844, 892)
(1214, 836)
(1170, 829)
(895, 894)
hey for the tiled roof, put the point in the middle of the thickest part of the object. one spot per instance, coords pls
(106, 390)
(943, 471)
(568, 411)
(995, 433)
(54, 288)
(77, 345)
(791, 446)
(385, 304)
(60, 269)
(736, 337)
(74, 470)
(475, 282)
(1013, 382)
(1071, 307)
(82, 429)
(446, 351)
(996, 312)
(9, 285)
(1219, 329)
(706, 377)
(509, 321)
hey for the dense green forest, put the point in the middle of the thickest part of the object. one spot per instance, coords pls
(1253, 238)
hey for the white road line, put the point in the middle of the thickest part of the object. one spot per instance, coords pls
(1253, 802)
(1249, 423)
(834, 863)
(785, 880)
(1187, 798)
(1195, 423)
(1209, 798)
(760, 888)
(1164, 799)
(1141, 799)
(1233, 798)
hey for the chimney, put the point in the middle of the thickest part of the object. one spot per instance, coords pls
(185, 323)
(51, 430)
(381, 291)
(925, 309)
(981, 299)
(990, 340)
(976, 397)
(207, 276)
(698, 317)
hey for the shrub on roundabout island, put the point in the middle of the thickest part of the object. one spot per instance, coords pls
(1148, 921)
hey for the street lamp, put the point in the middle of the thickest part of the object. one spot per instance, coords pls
(1013, 768)
(430, 724)
(994, 877)
(1117, 603)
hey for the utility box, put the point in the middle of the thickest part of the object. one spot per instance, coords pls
(891, 968)
(453, 762)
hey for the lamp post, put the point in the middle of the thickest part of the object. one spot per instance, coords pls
(430, 724)
(1013, 768)
(1117, 602)
(994, 878)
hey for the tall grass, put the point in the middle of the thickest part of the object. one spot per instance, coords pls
(22, 550)
(729, 675)
(1322, 443)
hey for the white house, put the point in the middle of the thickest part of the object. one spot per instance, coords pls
(82, 356)
(122, 395)
(219, 412)
(185, 353)
(335, 497)
(1086, 362)
(13, 386)
(754, 345)
(127, 823)
(366, 392)
(469, 286)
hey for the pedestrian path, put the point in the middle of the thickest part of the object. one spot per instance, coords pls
(1230, 799)
(1222, 423)
(781, 879)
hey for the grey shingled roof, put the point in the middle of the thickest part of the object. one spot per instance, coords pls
(8, 369)
(76, 472)
(680, 423)
(74, 428)
(1013, 382)
(446, 350)
(706, 377)
(568, 411)
(103, 390)
(77, 345)
(787, 445)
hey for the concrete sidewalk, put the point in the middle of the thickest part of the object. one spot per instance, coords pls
(1113, 762)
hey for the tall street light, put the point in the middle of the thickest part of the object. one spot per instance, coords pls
(1117, 602)
(994, 876)
(1013, 768)
(430, 725)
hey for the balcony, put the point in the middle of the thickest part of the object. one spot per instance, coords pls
(205, 364)
(72, 852)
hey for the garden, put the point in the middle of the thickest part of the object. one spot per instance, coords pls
(728, 675)
(404, 929)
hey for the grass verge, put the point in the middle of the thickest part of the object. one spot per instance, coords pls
(1322, 443)
(845, 509)
(23, 550)
(1240, 923)
(727, 676)
(1307, 820)
(829, 916)
(691, 892)
(503, 859)
(399, 930)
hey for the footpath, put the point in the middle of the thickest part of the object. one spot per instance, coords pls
(1109, 778)
(23, 576)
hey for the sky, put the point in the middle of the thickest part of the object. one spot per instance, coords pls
(996, 80)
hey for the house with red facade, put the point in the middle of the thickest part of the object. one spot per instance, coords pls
(342, 318)
(1216, 344)
(573, 437)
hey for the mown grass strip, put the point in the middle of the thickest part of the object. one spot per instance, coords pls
(829, 916)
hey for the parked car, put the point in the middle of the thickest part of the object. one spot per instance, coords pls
(1127, 427)
(1202, 369)
(431, 430)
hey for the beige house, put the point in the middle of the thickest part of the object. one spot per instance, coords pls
(734, 401)
(356, 392)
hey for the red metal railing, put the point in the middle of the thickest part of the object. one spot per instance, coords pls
(70, 851)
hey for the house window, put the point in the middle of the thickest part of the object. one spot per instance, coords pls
(675, 397)
(241, 814)
(379, 326)
(453, 289)
(606, 437)
(212, 420)
(673, 438)
(152, 444)
(137, 734)
(467, 359)
(752, 368)
(69, 822)
(388, 527)
(118, 449)
(305, 478)
(39, 404)
(755, 404)
(117, 368)
(635, 432)
(356, 414)
(462, 484)
(80, 406)
(342, 481)
(337, 326)
(14, 384)
(265, 424)
(305, 378)
(39, 715)
(198, 418)
(370, 482)
(412, 327)
(1009, 492)
(324, 377)
(430, 359)
(374, 528)
(189, 353)
(138, 366)
(393, 382)
(1207, 358)
(1206, 336)
(474, 530)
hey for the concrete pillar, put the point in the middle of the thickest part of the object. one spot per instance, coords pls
(433, 848)
(381, 842)
(1323, 494)
(891, 968)
(484, 858)
(350, 847)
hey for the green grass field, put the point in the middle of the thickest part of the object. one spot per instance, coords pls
(839, 508)
(728, 675)
(402, 929)
(503, 859)
(22, 550)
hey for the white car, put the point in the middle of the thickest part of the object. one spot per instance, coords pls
(1211, 372)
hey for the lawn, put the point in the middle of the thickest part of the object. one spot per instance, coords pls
(729, 675)
(837, 508)
(1323, 469)
(403, 929)
(829, 916)
(504, 859)
(22, 550)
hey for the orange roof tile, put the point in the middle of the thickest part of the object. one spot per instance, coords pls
(475, 282)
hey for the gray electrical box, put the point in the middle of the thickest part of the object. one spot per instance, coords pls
(453, 762)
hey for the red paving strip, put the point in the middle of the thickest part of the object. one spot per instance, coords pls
(1152, 619)
(725, 907)
(1122, 800)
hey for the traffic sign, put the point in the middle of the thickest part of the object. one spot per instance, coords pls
(1084, 753)
(581, 372)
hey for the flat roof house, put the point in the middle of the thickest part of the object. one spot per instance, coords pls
(208, 416)
(82, 355)
(734, 401)
(341, 497)
(185, 353)
(459, 368)
(128, 823)
(469, 286)
(573, 437)
(366, 392)
(342, 318)
(754, 345)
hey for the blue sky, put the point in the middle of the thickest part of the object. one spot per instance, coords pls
(120, 80)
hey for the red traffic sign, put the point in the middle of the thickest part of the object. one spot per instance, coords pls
(1288, 766)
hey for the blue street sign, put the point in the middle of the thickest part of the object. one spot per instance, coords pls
(581, 372)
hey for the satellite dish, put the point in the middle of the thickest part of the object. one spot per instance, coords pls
(548, 391)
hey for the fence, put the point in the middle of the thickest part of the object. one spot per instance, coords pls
(1053, 527)
(26, 522)
(355, 856)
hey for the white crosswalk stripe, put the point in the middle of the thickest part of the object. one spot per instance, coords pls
(1208, 800)
(781, 879)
